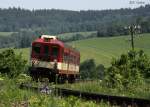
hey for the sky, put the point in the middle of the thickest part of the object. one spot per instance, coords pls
(73, 4)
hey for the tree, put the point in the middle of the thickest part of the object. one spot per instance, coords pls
(11, 64)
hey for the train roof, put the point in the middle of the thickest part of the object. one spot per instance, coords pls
(49, 39)
(39, 40)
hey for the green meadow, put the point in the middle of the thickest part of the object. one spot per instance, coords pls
(6, 33)
(102, 50)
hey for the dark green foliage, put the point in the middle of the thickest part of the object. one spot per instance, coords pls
(88, 70)
(24, 39)
(112, 30)
(30, 24)
(21, 39)
(100, 71)
(11, 64)
(129, 69)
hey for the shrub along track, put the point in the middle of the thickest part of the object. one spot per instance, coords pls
(113, 100)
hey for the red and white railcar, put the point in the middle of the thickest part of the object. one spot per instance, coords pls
(52, 58)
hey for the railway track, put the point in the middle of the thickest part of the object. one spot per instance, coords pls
(113, 100)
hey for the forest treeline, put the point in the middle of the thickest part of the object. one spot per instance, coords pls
(32, 23)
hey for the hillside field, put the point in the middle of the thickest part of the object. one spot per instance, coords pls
(104, 49)
(6, 33)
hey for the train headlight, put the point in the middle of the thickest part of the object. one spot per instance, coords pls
(34, 62)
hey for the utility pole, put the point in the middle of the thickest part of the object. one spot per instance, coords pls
(132, 29)
(132, 34)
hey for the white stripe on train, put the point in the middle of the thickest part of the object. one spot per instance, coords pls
(60, 65)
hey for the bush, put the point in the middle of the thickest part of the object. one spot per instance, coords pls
(11, 64)
(130, 68)
(89, 70)
(23, 78)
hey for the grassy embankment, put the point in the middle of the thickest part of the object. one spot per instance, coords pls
(12, 96)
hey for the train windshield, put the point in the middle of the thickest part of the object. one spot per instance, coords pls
(55, 51)
(46, 50)
(37, 48)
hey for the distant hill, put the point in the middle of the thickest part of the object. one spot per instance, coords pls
(29, 24)
(55, 21)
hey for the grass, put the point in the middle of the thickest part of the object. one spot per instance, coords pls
(25, 52)
(12, 96)
(6, 33)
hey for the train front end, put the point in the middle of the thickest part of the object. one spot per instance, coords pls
(46, 57)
